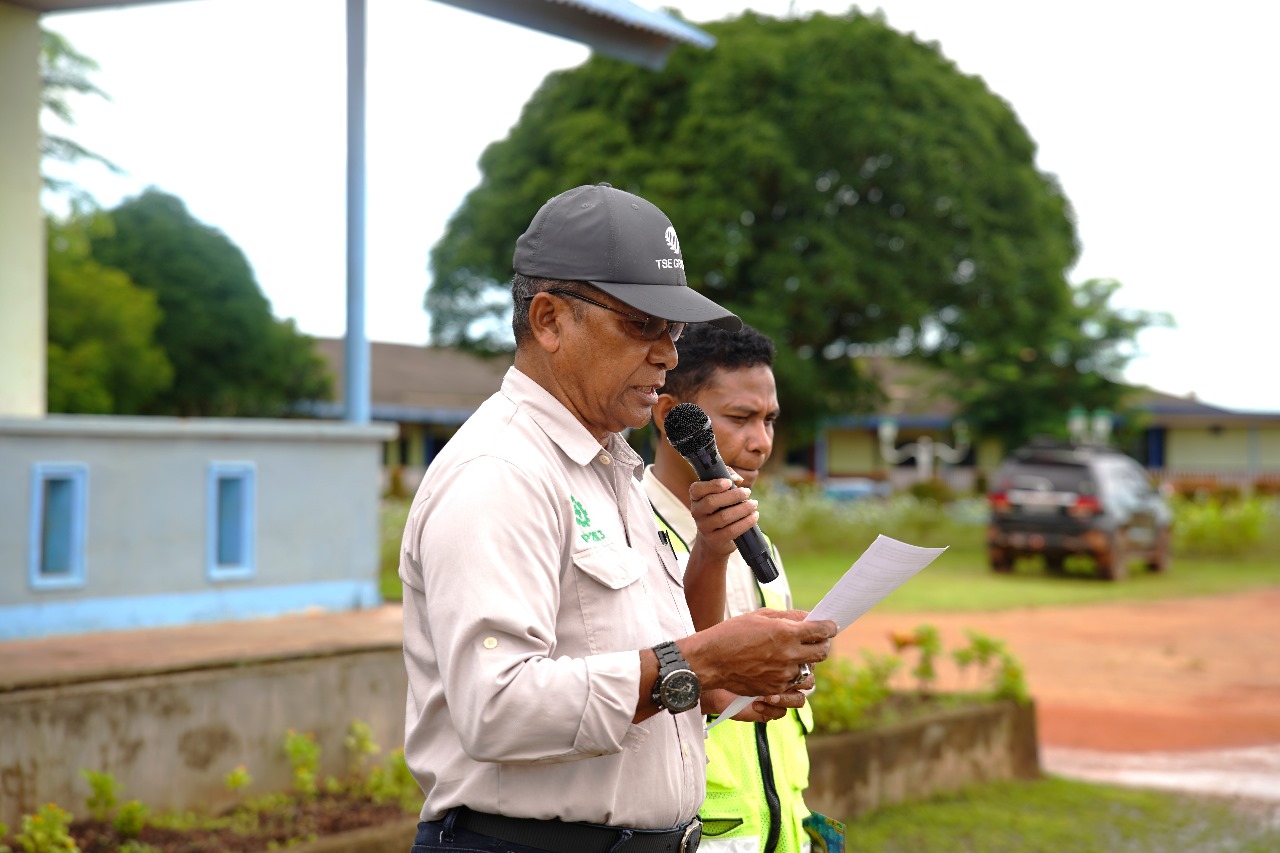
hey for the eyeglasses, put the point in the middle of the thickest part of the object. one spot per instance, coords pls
(643, 327)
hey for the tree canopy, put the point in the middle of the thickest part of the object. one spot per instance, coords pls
(840, 185)
(65, 71)
(102, 353)
(230, 356)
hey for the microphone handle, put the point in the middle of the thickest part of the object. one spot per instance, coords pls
(752, 545)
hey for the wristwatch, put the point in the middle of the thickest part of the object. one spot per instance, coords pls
(677, 688)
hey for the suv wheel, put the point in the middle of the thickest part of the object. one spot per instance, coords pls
(1113, 564)
(1001, 560)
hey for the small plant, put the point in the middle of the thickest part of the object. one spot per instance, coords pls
(237, 779)
(851, 697)
(360, 747)
(304, 757)
(4, 833)
(104, 794)
(47, 831)
(925, 639)
(130, 820)
(849, 693)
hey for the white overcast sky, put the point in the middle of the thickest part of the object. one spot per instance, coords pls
(1161, 120)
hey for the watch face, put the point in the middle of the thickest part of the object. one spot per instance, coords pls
(680, 690)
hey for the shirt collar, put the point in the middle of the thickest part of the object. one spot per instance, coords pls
(561, 426)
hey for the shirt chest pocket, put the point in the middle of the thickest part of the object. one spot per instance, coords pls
(614, 599)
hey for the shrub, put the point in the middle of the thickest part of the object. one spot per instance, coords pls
(851, 697)
(47, 831)
(1212, 527)
(803, 520)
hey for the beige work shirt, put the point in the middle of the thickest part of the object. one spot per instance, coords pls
(741, 593)
(533, 575)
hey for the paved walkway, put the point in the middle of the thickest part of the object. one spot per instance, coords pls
(111, 654)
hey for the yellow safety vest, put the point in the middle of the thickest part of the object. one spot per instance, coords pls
(756, 772)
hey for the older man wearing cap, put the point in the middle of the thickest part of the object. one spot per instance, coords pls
(556, 680)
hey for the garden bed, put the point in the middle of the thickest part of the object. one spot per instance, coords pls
(934, 745)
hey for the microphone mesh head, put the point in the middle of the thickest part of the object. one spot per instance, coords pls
(688, 428)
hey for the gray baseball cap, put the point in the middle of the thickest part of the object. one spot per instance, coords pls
(623, 245)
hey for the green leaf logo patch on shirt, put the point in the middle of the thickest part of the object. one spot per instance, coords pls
(584, 520)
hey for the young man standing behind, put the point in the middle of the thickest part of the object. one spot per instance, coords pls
(756, 772)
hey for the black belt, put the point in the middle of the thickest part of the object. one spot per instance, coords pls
(561, 837)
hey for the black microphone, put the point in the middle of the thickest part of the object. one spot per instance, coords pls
(689, 431)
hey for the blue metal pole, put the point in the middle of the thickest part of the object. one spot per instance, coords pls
(356, 380)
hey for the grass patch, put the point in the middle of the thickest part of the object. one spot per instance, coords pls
(960, 580)
(1058, 814)
(820, 539)
(392, 514)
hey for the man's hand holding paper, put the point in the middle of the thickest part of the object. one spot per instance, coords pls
(881, 569)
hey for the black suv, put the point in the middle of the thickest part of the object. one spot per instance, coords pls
(1057, 499)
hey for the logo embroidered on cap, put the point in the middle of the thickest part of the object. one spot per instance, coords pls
(672, 240)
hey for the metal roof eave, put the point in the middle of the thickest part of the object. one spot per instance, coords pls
(618, 28)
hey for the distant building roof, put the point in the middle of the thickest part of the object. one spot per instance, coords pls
(416, 384)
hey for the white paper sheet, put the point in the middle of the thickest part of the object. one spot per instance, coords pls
(881, 569)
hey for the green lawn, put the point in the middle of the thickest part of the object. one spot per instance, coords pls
(961, 580)
(1054, 815)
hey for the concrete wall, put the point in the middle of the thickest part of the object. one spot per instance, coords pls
(171, 739)
(858, 772)
(148, 520)
(22, 275)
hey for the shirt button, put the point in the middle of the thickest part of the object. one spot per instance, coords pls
(604, 460)
(490, 642)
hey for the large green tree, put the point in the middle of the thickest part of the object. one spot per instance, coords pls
(842, 186)
(230, 356)
(102, 353)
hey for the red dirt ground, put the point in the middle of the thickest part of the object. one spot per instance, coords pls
(1177, 675)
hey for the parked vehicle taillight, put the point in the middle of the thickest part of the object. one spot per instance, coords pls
(999, 502)
(1086, 506)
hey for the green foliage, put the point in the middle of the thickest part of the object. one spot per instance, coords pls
(392, 515)
(1057, 814)
(926, 641)
(47, 831)
(238, 779)
(1007, 677)
(393, 783)
(801, 520)
(102, 354)
(849, 693)
(304, 758)
(360, 746)
(131, 819)
(64, 72)
(840, 185)
(1213, 527)
(851, 697)
(4, 833)
(230, 356)
(104, 794)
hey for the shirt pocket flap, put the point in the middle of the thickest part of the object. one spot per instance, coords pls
(614, 567)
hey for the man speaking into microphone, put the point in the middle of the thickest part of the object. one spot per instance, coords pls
(555, 675)
(756, 772)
